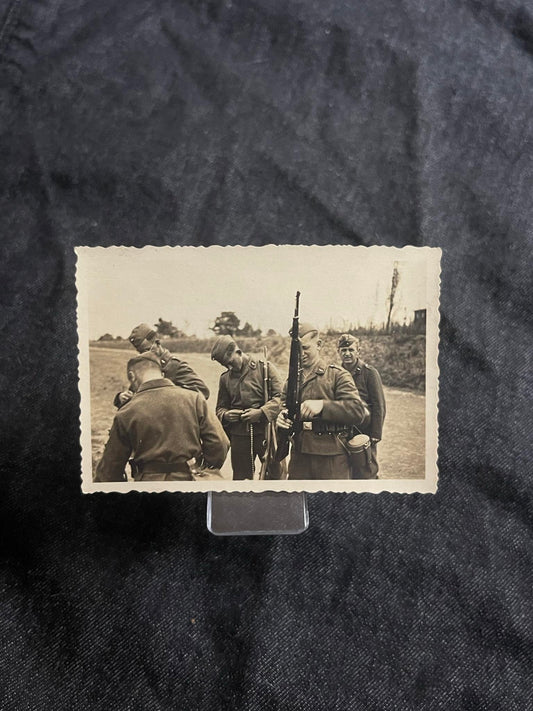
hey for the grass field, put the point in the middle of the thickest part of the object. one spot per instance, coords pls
(400, 454)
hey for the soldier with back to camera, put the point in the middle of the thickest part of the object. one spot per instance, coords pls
(166, 430)
(144, 339)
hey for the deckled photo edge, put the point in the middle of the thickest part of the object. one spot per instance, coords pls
(84, 375)
(428, 484)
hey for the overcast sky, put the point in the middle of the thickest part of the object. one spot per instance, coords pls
(190, 286)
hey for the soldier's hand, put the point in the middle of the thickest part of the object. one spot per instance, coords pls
(124, 397)
(232, 415)
(373, 440)
(251, 415)
(283, 422)
(311, 408)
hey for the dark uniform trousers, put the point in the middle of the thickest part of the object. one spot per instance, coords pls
(244, 450)
(311, 466)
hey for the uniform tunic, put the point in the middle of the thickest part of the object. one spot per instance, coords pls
(180, 373)
(368, 383)
(242, 390)
(316, 452)
(162, 424)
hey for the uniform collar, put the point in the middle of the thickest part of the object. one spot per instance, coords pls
(165, 356)
(156, 383)
(318, 369)
(357, 365)
(244, 367)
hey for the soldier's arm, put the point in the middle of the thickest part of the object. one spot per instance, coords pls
(376, 401)
(184, 376)
(272, 408)
(115, 457)
(122, 398)
(223, 400)
(215, 444)
(347, 408)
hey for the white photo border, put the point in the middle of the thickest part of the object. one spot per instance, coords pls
(427, 485)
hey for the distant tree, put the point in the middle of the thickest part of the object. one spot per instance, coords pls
(227, 324)
(106, 337)
(249, 331)
(271, 333)
(166, 329)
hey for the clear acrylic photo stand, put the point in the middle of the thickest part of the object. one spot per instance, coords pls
(267, 513)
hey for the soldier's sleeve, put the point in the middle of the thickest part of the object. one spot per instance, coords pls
(347, 408)
(376, 402)
(115, 457)
(223, 399)
(272, 407)
(184, 376)
(215, 444)
(284, 394)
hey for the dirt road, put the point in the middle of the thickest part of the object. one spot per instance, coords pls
(401, 453)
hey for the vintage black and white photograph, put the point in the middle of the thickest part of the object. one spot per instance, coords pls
(283, 368)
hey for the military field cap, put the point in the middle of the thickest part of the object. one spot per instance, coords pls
(347, 340)
(304, 328)
(143, 358)
(221, 345)
(140, 333)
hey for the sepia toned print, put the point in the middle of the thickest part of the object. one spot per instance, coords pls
(279, 368)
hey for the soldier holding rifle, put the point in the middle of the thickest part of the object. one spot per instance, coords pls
(242, 407)
(329, 405)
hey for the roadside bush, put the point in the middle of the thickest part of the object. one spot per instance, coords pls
(399, 358)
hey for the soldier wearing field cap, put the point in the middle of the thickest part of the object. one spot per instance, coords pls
(330, 406)
(368, 382)
(242, 406)
(164, 428)
(144, 339)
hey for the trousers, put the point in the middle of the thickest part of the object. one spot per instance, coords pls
(313, 466)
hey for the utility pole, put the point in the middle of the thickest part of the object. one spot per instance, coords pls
(390, 298)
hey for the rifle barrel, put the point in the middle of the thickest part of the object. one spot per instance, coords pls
(293, 385)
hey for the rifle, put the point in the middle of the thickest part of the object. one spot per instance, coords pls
(270, 467)
(293, 387)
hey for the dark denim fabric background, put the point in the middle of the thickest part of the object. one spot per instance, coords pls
(248, 122)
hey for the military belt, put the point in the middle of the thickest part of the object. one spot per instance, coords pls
(162, 467)
(322, 427)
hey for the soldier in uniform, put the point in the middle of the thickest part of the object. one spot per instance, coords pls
(144, 339)
(164, 428)
(368, 382)
(242, 407)
(330, 406)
